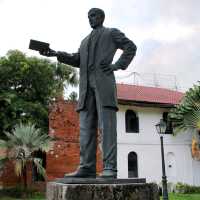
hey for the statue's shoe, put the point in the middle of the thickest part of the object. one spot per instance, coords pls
(108, 174)
(80, 174)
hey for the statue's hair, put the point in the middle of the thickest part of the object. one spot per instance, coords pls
(99, 11)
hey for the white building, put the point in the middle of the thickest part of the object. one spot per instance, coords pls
(139, 154)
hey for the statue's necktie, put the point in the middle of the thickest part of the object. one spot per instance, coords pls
(91, 48)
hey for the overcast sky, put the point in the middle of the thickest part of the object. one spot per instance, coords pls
(166, 32)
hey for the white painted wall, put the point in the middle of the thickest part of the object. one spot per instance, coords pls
(146, 144)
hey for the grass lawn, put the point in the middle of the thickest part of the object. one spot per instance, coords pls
(37, 197)
(171, 197)
(184, 196)
(10, 198)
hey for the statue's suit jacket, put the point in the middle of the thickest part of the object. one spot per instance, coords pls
(104, 48)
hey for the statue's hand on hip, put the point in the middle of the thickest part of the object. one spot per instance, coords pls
(109, 68)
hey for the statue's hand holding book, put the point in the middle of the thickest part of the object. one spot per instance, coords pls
(42, 47)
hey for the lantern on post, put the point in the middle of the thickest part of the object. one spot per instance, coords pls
(161, 128)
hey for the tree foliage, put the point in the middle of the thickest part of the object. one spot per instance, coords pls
(73, 96)
(186, 115)
(27, 87)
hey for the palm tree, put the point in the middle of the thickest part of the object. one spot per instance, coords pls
(20, 147)
(186, 116)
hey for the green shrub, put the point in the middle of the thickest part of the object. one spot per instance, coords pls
(186, 189)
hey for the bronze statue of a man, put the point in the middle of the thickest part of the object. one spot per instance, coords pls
(97, 104)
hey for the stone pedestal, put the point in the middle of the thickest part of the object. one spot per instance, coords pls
(100, 190)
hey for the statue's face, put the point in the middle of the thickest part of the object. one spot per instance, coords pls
(95, 19)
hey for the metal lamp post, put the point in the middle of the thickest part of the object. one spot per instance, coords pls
(161, 127)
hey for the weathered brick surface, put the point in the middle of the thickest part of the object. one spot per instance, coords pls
(8, 177)
(64, 125)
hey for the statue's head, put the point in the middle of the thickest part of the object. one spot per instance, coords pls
(96, 17)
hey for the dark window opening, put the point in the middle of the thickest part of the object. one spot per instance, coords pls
(36, 176)
(132, 122)
(132, 165)
(169, 128)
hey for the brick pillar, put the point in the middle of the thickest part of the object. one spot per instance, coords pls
(64, 125)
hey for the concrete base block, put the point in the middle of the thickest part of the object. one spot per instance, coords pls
(129, 191)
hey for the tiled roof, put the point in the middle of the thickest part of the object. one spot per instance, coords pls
(137, 93)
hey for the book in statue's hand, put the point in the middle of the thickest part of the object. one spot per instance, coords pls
(38, 45)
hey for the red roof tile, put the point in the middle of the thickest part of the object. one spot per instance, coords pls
(148, 94)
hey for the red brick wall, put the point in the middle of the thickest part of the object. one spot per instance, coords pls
(8, 177)
(64, 125)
